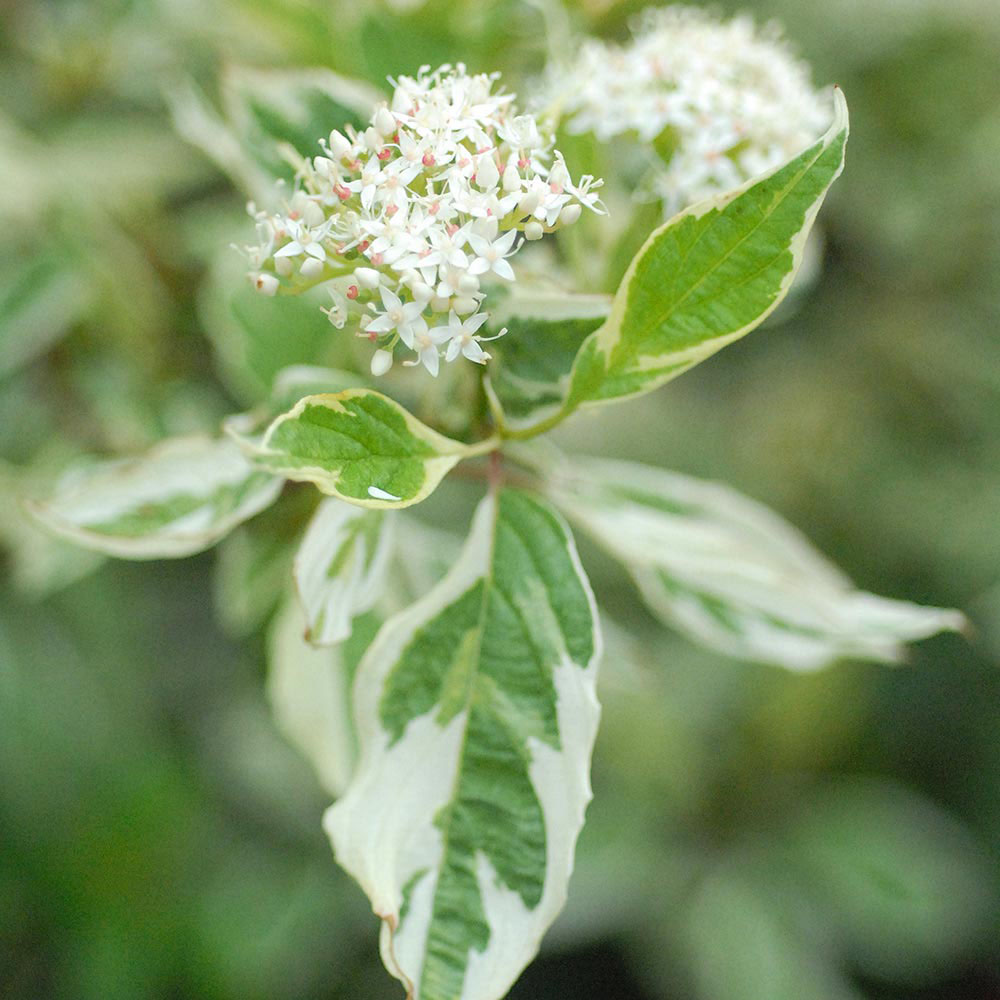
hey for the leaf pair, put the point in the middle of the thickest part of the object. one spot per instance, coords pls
(187, 493)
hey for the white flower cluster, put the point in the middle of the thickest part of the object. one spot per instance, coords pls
(412, 215)
(725, 100)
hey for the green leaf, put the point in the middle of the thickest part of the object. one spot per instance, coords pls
(40, 298)
(730, 573)
(476, 712)
(746, 937)
(177, 499)
(340, 567)
(907, 886)
(529, 374)
(256, 337)
(290, 385)
(269, 117)
(359, 446)
(707, 277)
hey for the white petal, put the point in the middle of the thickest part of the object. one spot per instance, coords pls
(504, 269)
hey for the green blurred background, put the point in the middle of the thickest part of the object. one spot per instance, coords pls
(755, 835)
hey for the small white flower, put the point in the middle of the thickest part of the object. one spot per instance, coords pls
(427, 344)
(735, 98)
(462, 337)
(404, 318)
(304, 241)
(492, 256)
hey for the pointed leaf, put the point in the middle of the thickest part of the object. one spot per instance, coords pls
(360, 446)
(340, 567)
(177, 499)
(477, 713)
(293, 108)
(732, 574)
(265, 111)
(708, 276)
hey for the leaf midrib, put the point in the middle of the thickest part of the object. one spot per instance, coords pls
(775, 204)
(467, 708)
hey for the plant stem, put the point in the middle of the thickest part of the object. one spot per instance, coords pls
(526, 433)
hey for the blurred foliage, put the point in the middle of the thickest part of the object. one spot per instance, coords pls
(754, 834)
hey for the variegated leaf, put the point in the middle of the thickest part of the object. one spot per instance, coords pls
(290, 385)
(706, 278)
(529, 374)
(310, 691)
(359, 446)
(340, 567)
(309, 687)
(709, 276)
(476, 712)
(179, 498)
(732, 574)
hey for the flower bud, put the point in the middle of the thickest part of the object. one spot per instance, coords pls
(464, 305)
(468, 284)
(440, 303)
(511, 178)
(533, 230)
(367, 277)
(570, 214)
(381, 362)
(283, 265)
(340, 145)
(384, 121)
(487, 174)
(266, 284)
(312, 214)
(422, 292)
(311, 267)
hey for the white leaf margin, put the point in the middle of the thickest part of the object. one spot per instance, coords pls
(309, 693)
(743, 554)
(193, 464)
(331, 602)
(383, 830)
